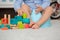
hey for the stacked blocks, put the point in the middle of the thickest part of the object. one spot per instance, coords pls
(23, 22)
(25, 19)
(20, 21)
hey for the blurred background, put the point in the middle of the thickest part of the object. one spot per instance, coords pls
(6, 7)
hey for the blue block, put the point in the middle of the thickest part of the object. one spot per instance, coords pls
(13, 21)
(26, 20)
(19, 18)
(8, 26)
(2, 26)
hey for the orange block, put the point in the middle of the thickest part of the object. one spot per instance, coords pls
(4, 21)
(26, 26)
(4, 29)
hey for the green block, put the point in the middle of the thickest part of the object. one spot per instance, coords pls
(0, 22)
(20, 25)
(24, 15)
(20, 22)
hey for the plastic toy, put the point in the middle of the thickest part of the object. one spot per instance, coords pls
(20, 25)
(13, 21)
(9, 19)
(26, 21)
(26, 26)
(8, 26)
(24, 15)
(5, 20)
(18, 18)
(0, 22)
(4, 28)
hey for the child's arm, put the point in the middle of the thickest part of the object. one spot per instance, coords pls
(42, 6)
(46, 14)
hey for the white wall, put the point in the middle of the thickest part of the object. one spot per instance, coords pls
(6, 4)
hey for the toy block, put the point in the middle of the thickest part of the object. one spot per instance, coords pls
(13, 26)
(0, 22)
(4, 28)
(4, 21)
(20, 25)
(20, 22)
(26, 20)
(9, 19)
(2, 25)
(18, 18)
(26, 26)
(8, 26)
(13, 21)
(24, 15)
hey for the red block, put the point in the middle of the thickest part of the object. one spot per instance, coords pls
(4, 29)
(4, 21)
(26, 26)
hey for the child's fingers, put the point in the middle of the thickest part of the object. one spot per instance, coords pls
(35, 26)
(19, 12)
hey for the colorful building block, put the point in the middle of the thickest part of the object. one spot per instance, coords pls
(24, 15)
(18, 18)
(20, 25)
(0, 22)
(26, 26)
(13, 21)
(8, 18)
(4, 21)
(8, 26)
(4, 28)
(26, 20)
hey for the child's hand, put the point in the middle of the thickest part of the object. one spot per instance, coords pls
(35, 26)
(38, 9)
(31, 23)
(19, 11)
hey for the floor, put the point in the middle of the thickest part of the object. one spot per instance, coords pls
(51, 33)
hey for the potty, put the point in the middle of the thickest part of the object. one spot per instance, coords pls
(37, 16)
